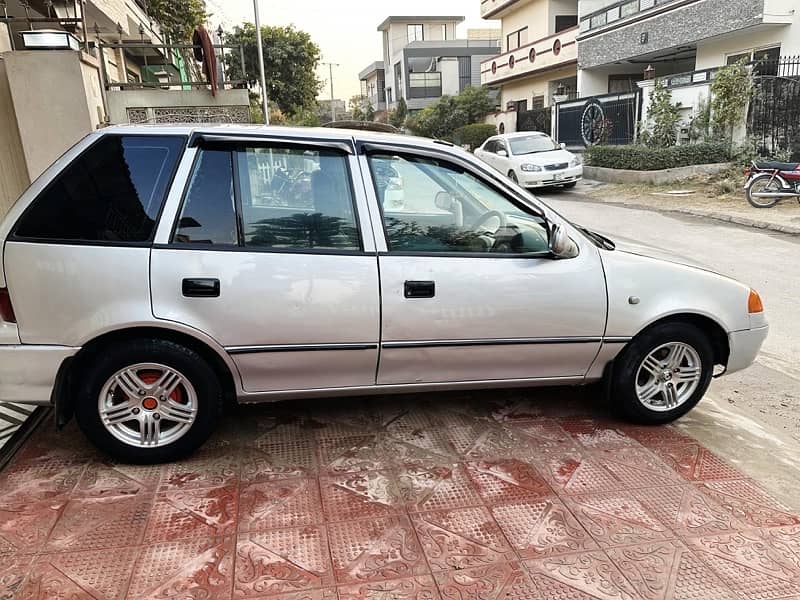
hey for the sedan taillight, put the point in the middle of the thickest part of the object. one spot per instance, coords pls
(6, 309)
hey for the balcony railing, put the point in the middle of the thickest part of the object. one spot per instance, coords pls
(619, 11)
(552, 52)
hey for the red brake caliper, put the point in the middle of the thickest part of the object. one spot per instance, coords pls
(150, 377)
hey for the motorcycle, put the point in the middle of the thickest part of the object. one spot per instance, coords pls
(770, 182)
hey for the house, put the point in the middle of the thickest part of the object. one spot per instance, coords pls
(537, 64)
(424, 60)
(69, 67)
(373, 85)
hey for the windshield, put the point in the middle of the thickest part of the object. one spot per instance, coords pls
(531, 144)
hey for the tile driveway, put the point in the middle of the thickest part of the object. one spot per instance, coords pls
(491, 495)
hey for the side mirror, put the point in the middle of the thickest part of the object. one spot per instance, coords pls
(444, 201)
(502, 153)
(563, 146)
(561, 245)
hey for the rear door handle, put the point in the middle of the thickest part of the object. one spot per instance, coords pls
(420, 289)
(201, 288)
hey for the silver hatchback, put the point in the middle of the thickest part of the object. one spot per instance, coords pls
(153, 272)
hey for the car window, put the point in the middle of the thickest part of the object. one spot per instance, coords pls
(112, 192)
(444, 208)
(532, 144)
(490, 146)
(208, 215)
(297, 199)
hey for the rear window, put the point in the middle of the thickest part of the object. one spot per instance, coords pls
(113, 192)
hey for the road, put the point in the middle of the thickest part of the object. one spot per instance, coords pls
(751, 417)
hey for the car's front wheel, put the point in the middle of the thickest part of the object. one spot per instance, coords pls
(513, 177)
(148, 401)
(663, 373)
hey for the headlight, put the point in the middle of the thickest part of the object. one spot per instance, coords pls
(574, 162)
(530, 168)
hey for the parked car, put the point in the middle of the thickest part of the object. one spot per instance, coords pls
(151, 272)
(532, 159)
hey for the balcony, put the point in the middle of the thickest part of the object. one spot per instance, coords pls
(494, 9)
(549, 53)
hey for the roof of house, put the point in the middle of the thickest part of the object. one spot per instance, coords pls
(376, 66)
(411, 20)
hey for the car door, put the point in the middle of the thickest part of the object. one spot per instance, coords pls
(267, 256)
(487, 152)
(502, 154)
(473, 295)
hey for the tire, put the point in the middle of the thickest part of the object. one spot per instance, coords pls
(631, 377)
(513, 177)
(570, 185)
(763, 183)
(195, 403)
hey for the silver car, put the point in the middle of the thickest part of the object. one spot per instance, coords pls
(153, 272)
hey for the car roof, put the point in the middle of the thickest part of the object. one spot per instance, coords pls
(318, 133)
(518, 134)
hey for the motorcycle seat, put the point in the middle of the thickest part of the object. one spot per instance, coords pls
(780, 166)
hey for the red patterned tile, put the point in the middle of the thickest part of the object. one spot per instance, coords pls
(506, 480)
(750, 565)
(416, 588)
(280, 503)
(545, 435)
(598, 433)
(461, 538)
(353, 453)
(375, 549)
(279, 453)
(516, 410)
(504, 581)
(30, 481)
(575, 472)
(695, 462)
(421, 430)
(195, 568)
(686, 511)
(92, 575)
(89, 523)
(13, 569)
(636, 467)
(24, 526)
(281, 561)
(435, 488)
(588, 574)
(655, 435)
(749, 503)
(616, 519)
(214, 465)
(106, 479)
(667, 570)
(541, 528)
(203, 512)
(359, 495)
(475, 439)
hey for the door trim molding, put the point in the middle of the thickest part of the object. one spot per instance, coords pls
(233, 350)
(491, 342)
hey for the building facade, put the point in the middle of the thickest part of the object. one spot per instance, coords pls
(423, 60)
(373, 85)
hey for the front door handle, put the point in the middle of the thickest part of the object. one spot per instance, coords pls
(420, 289)
(201, 288)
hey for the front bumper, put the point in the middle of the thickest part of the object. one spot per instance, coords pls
(544, 178)
(744, 347)
(28, 373)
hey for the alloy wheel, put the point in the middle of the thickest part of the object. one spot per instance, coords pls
(668, 376)
(148, 405)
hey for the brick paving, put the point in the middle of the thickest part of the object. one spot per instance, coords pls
(491, 495)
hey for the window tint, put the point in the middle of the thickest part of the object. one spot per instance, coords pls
(208, 215)
(297, 199)
(442, 208)
(112, 192)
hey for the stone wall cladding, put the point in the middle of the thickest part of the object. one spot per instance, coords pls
(681, 26)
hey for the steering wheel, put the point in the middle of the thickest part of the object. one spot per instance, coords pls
(492, 214)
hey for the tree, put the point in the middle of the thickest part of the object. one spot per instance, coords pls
(356, 108)
(730, 93)
(665, 117)
(442, 119)
(369, 112)
(399, 115)
(178, 18)
(290, 64)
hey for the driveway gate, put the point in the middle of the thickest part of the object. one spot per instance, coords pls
(774, 115)
(607, 119)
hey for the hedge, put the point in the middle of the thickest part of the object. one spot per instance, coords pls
(645, 158)
(474, 135)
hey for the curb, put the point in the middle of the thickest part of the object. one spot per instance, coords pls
(708, 214)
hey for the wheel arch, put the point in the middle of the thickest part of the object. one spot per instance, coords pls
(64, 394)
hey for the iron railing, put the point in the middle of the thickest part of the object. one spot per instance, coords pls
(773, 118)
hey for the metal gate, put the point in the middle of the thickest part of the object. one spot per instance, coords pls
(607, 119)
(538, 119)
(774, 116)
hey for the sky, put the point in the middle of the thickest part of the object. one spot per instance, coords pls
(345, 30)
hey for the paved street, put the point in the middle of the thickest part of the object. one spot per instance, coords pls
(752, 417)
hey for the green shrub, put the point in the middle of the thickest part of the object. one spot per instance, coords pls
(646, 158)
(474, 135)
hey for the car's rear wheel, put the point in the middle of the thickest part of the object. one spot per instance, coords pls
(662, 374)
(763, 184)
(148, 401)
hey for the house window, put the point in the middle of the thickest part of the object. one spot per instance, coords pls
(464, 72)
(398, 80)
(416, 33)
(425, 85)
(765, 60)
(538, 102)
(516, 39)
(566, 21)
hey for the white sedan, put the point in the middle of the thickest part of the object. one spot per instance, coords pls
(532, 159)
